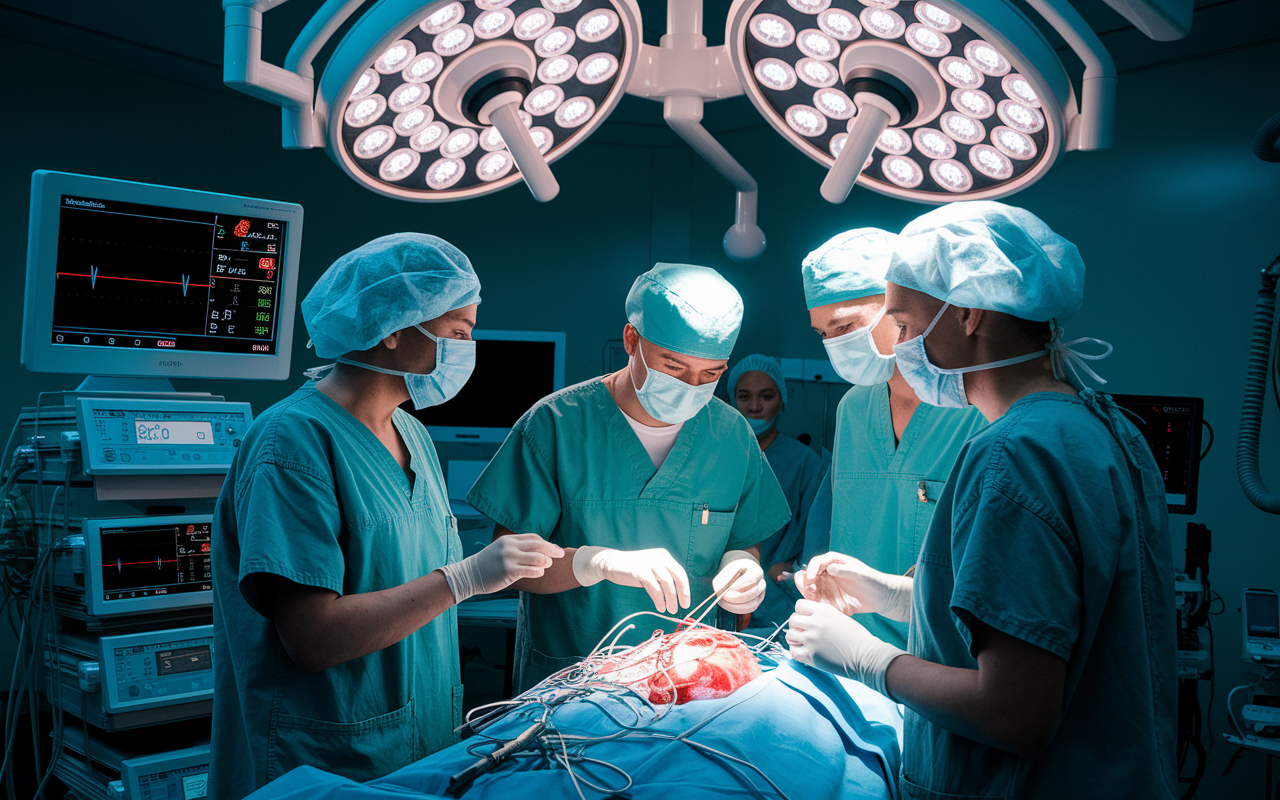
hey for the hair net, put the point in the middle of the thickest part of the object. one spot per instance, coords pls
(686, 309)
(384, 286)
(769, 366)
(847, 267)
(982, 254)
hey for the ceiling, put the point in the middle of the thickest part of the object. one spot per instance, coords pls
(182, 41)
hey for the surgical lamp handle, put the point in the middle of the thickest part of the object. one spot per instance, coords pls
(533, 167)
(867, 127)
(1092, 129)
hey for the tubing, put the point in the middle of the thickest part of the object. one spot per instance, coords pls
(1266, 144)
(1255, 390)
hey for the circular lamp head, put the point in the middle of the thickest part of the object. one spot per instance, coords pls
(976, 91)
(407, 93)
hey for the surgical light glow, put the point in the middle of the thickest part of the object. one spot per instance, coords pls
(964, 130)
(840, 24)
(554, 42)
(960, 73)
(806, 121)
(772, 30)
(837, 144)
(407, 96)
(533, 23)
(395, 57)
(990, 162)
(974, 102)
(430, 137)
(491, 140)
(818, 74)
(834, 103)
(460, 143)
(809, 6)
(597, 69)
(1013, 144)
(936, 18)
(544, 100)
(542, 138)
(558, 69)
(816, 44)
(365, 86)
(489, 5)
(951, 175)
(560, 6)
(453, 41)
(493, 166)
(933, 143)
(575, 111)
(986, 58)
(882, 22)
(928, 41)
(1019, 117)
(412, 121)
(492, 24)
(445, 173)
(1019, 89)
(423, 68)
(374, 142)
(399, 164)
(596, 26)
(775, 74)
(366, 111)
(894, 141)
(902, 171)
(879, 3)
(442, 20)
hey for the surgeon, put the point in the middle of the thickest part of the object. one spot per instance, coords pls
(656, 490)
(892, 454)
(1042, 622)
(336, 561)
(760, 394)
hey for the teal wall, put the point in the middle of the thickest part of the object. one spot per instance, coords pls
(1174, 222)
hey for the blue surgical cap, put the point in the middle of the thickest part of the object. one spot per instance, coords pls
(983, 254)
(769, 366)
(686, 309)
(384, 286)
(847, 267)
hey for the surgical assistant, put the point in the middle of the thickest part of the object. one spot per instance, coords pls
(1042, 635)
(657, 491)
(892, 454)
(336, 560)
(759, 392)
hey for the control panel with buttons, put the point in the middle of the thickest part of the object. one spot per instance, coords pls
(145, 436)
(157, 668)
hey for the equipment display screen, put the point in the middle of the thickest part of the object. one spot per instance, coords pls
(173, 432)
(151, 560)
(510, 376)
(1171, 427)
(184, 659)
(140, 277)
(1262, 615)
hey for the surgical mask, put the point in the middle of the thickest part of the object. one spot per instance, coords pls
(941, 387)
(855, 357)
(667, 398)
(762, 426)
(455, 359)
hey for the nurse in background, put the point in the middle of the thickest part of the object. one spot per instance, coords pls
(891, 455)
(760, 394)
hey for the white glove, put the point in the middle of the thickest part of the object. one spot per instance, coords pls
(822, 637)
(500, 564)
(748, 591)
(851, 587)
(654, 570)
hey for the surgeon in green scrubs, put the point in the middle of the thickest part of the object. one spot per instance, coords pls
(892, 454)
(657, 491)
(336, 561)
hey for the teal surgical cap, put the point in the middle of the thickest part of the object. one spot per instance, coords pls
(983, 254)
(686, 309)
(769, 366)
(384, 286)
(849, 266)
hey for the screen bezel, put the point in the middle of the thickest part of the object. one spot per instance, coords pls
(38, 354)
(472, 435)
(1197, 422)
(92, 531)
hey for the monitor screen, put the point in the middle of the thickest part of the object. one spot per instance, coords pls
(142, 564)
(514, 370)
(138, 280)
(1262, 614)
(1171, 426)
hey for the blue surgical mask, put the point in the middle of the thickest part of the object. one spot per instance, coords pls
(667, 398)
(856, 359)
(455, 359)
(936, 386)
(762, 426)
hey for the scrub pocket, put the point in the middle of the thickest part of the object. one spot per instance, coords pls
(707, 542)
(923, 515)
(360, 751)
(911, 791)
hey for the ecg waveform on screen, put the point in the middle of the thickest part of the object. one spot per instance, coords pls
(94, 275)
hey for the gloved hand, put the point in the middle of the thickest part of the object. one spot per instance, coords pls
(500, 564)
(822, 637)
(747, 592)
(653, 570)
(851, 587)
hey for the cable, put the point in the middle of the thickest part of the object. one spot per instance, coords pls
(1209, 446)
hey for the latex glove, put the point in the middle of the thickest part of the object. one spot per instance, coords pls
(748, 591)
(500, 564)
(782, 571)
(822, 637)
(654, 570)
(851, 587)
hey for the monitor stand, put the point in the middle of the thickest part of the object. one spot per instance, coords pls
(107, 383)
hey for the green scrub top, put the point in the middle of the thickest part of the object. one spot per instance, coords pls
(877, 510)
(573, 471)
(1053, 529)
(313, 496)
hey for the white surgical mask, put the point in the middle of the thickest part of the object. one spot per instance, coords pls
(667, 398)
(941, 387)
(855, 357)
(455, 359)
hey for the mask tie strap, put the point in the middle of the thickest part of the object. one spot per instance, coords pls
(1068, 361)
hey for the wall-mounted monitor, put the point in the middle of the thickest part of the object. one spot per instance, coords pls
(1171, 426)
(136, 280)
(514, 370)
